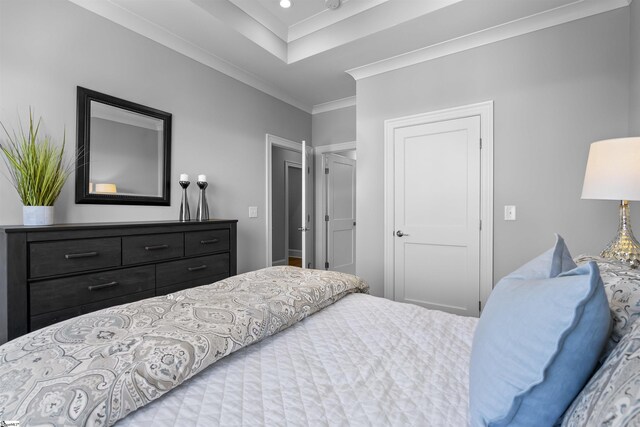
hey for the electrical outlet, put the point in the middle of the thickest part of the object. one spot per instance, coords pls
(253, 212)
(510, 213)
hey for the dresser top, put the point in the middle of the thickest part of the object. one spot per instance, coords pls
(110, 225)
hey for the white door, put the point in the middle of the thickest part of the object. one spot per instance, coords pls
(437, 215)
(307, 206)
(340, 217)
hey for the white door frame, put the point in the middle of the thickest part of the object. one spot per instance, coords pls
(288, 164)
(272, 140)
(485, 111)
(321, 193)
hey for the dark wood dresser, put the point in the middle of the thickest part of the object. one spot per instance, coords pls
(49, 274)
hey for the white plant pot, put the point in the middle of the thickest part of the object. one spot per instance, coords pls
(37, 215)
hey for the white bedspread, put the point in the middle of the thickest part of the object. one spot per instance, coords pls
(362, 361)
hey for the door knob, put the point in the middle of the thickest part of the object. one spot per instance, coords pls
(399, 233)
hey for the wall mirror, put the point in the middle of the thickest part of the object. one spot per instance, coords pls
(124, 152)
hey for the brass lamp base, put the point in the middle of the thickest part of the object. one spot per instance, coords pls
(624, 247)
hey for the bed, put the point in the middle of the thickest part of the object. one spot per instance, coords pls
(339, 357)
(335, 369)
(363, 359)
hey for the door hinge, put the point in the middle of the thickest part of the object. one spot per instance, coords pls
(481, 225)
(308, 218)
(481, 143)
(354, 223)
(326, 217)
(326, 171)
(308, 170)
(479, 306)
(326, 265)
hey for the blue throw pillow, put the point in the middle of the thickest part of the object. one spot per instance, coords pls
(537, 341)
(550, 264)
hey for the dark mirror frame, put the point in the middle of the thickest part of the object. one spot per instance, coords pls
(85, 96)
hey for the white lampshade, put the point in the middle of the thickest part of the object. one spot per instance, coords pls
(613, 170)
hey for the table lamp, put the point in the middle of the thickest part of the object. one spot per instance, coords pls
(613, 173)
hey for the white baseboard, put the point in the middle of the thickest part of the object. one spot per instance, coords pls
(280, 262)
(295, 253)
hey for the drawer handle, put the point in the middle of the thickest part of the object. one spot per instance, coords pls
(103, 286)
(208, 242)
(81, 255)
(200, 267)
(155, 248)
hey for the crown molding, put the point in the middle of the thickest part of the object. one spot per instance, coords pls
(137, 24)
(229, 14)
(334, 105)
(261, 15)
(553, 17)
(307, 26)
(371, 21)
(329, 17)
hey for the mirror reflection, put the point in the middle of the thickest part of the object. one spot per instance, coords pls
(126, 152)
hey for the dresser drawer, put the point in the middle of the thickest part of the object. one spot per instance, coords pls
(47, 319)
(37, 322)
(59, 294)
(69, 256)
(170, 273)
(191, 284)
(206, 242)
(152, 247)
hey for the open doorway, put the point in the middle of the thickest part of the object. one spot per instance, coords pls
(285, 166)
(289, 203)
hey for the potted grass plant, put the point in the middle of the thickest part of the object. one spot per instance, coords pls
(37, 170)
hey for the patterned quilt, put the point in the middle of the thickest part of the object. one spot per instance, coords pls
(97, 368)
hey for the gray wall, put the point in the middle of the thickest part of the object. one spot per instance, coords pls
(555, 92)
(278, 158)
(634, 117)
(48, 47)
(334, 127)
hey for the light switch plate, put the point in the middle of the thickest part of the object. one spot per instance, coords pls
(253, 212)
(510, 213)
